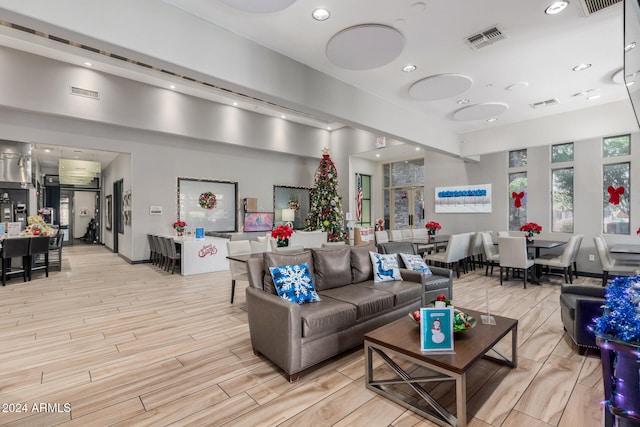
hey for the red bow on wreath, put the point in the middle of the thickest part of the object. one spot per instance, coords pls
(614, 194)
(518, 196)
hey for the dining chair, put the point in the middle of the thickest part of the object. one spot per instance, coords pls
(503, 234)
(38, 246)
(455, 252)
(513, 254)
(381, 236)
(152, 248)
(395, 235)
(14, 248)
(476, 250)
(562, 261)
(289, 249)
(491, 255)
(610, 265)
(420, 233)
(55, 251)
(162, 258)
(407, 234)
(574, 256)
(238, 269)
(173, 256)
(259, 247)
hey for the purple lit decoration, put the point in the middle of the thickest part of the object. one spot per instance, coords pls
(618, 335)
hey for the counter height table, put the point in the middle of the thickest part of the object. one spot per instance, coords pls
(202, 255)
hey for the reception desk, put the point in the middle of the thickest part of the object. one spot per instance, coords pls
(202, 255)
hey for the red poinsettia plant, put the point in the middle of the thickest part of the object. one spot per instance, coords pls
(433, 226)
(638, 231)
(530, 229)
(179, 225)
(282, 232)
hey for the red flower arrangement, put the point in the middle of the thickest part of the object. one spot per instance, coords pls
(531, 228)
(432, 227)
(282, 234)
(179, 226)
(638, 231)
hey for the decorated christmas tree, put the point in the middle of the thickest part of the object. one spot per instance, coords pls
(326, 206)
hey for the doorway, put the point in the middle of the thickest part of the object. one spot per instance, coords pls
(79, 216)
(118, 224)
(407, 207)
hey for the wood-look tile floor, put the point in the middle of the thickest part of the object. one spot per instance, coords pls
(107, 343)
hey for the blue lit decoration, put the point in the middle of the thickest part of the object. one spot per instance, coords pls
(470, 198)
(618, 335)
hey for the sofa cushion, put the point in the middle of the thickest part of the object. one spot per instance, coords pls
(367, 301)
(415, 263)
(326, 317)
(332, 267)
(385, 267)
(361, 269)
(294, 283)
(272, 259)
(402, 291)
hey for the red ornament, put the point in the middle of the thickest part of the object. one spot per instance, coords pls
(518, 197)
(614, 194)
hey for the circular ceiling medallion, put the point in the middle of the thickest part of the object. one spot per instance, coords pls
(365, 47)
(259, 6)
(440, 86)
(480, 111)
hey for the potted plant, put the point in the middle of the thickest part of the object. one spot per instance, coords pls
(530, 229)
(179, 226)
(618, 336)
(432, 228)
(282, 234)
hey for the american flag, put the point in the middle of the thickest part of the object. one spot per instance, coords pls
(359, 199)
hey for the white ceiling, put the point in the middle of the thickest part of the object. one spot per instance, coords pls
(532, 63)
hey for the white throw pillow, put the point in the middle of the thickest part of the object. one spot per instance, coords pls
(385, 267)
(416, 263)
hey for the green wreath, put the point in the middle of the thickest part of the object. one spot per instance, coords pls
(207, 200)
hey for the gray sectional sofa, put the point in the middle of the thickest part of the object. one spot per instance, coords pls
(296, 337)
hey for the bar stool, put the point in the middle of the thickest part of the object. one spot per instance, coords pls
(38, 246)
(13, 248)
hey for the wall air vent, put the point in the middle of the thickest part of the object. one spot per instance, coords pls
(486, 38)
(546, 103)
(73, 90)
(592, 6)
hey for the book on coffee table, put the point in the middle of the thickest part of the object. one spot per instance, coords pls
(436, 329)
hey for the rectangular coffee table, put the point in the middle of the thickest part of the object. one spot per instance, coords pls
(401, 340)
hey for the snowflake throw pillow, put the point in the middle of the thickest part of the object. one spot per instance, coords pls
(416, 263)
(385, 267)
(294, 283)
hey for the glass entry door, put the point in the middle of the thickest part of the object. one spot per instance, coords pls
(66, 217)
(407, 207)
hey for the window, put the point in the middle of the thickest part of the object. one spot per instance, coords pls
(562, 200)
(518, 158)
(616, 191)
(616, 146)
(365, 182)
(562, 153)
(404, 194)
(517, 216)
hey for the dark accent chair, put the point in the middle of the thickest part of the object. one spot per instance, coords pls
(579, 306)
(440, 282)
(55, 250)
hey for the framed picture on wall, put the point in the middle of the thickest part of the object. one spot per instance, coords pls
(206, 203)
(294, 201)
(108, 212)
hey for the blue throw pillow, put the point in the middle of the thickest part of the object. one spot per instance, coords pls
(416, 263)
(385, 267)
(294, 283)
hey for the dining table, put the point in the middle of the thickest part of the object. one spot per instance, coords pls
(625, 249)
(422, 243)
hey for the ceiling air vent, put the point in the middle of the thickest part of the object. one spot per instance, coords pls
(485, 38)
(73, 90)
(593, 6)
(547, 103)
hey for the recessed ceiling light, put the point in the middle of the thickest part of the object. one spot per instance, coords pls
(630, 46)
(329, 128)
(556, 7)
(462, 101)
(321, 14)
(581, 67)
(417, 148)
(596, 96)
(492, 119)
(378, 155)
(172, 86)
(47, 150)
(235, 104)
(88, 64)
(409, 68)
